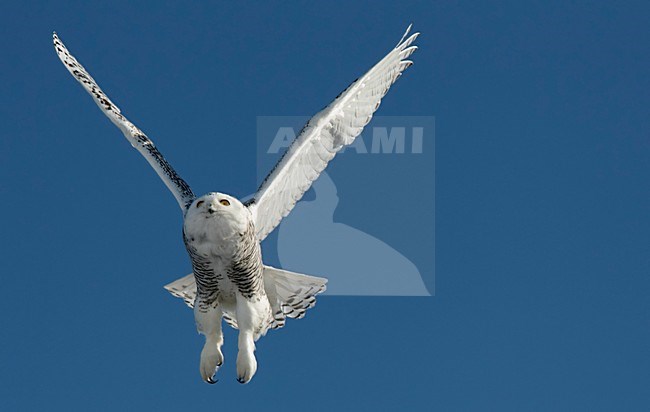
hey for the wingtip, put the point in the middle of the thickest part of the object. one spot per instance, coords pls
(406, 33)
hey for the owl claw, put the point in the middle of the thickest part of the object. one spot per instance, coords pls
(246, 366)
(211, 360)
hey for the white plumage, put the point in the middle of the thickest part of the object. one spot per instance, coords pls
(223, 235)
(324, 135)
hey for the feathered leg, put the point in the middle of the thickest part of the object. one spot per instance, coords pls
(208, 322)
(253, 319)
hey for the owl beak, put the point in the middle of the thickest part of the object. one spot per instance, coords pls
(211, 209)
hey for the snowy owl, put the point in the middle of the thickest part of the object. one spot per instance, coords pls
(222, 235)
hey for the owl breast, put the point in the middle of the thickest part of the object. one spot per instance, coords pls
(225, 256)
(213, 235)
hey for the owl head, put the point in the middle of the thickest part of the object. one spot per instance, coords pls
(219, 208)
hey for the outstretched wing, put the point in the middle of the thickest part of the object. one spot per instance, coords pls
(179, 188)
(323, 136)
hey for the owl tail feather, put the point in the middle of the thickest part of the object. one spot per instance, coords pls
(289, 293)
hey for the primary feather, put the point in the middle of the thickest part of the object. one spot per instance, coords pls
(179, 188)
(324, 135)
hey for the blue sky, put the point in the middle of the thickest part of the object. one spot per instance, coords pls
(541, 212)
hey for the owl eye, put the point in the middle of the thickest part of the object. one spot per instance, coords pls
(199, 203)
(224, 202)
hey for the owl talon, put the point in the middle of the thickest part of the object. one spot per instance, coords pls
(211, 360)
(246, 367)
